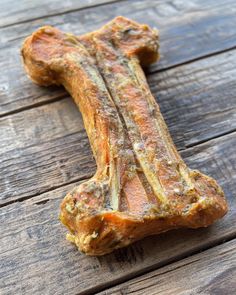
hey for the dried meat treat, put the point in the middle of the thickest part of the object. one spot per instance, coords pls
(142, 186)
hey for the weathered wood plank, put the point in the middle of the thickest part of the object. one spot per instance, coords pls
(210, 272)
(36, 259)
(25, 10)
(46, 147)
(187, 31)
(41, 149)
(198, 100)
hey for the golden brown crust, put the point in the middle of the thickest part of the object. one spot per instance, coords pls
(142, 186)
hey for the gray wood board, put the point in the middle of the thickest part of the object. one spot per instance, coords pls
(46, 147)
(188, 30)
(36, 259)
(210, 272)
(25, 10)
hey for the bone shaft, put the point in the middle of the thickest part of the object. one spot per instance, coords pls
(102, 124)
(91, 99)
(110, 145)
(147, 130)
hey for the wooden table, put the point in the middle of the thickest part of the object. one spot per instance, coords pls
(45, 152)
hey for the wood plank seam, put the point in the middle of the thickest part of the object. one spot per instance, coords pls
(61, 96)
(156, 267)
(61, 13)
(22, 199)
(195, 259)
(204, 56)
(209, 139)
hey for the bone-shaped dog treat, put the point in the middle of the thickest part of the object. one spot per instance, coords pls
(142, 186)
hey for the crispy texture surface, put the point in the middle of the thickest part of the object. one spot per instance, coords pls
(142, 186)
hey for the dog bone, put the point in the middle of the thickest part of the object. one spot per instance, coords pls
(142, 186)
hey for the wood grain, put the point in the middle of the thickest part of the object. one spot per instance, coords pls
(26, 10)
(36, 259)
(187, 31)
(210, 272)
(46, 147)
